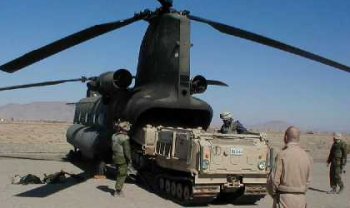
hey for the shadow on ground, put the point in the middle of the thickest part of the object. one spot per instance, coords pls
(105, 189)
(318, 190)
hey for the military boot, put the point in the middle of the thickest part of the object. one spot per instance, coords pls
(340, 190)
(332, 191)
(118, 193)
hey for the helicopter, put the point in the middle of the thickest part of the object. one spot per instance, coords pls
(163, 90)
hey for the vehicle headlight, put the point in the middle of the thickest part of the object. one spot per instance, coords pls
(262, 165)
(206, 156)
(205, 164)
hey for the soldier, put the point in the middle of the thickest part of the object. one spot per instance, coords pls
(289, 180)
(232, 127)
(121, 154)
(337, 159)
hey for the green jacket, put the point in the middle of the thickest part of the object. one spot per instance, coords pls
(338, 154)
(121, 148)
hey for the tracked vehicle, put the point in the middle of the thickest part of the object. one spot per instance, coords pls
(192, 165)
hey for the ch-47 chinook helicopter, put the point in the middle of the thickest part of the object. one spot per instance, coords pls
(184, 160)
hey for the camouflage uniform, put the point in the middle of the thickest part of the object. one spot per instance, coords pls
(121, 157)
(230, 128)
(337, 159)
(234, 127)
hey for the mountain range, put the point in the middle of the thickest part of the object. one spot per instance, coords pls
(270, 126)
(38, 111)
(60, 111)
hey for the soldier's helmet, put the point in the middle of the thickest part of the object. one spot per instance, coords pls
(226, 116)
(337, 135)
(125, 125)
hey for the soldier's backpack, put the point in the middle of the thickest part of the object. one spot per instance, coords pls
(58, 177)
(27, 179)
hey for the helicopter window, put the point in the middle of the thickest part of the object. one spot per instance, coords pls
(79, 117)
(75, 116)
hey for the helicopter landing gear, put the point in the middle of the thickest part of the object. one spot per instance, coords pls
(100, 170)
(74, 155)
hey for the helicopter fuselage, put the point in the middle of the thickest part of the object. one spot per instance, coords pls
(161, 95)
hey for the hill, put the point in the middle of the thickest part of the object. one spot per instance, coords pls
(276, 126)
(38, 111)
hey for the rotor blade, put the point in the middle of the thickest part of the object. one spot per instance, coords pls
(67, 42)
(216, 82)
(230, 30)
(41, 84)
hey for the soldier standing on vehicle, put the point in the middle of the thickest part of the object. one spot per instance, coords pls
(121, 154)
(231, 126)
(289, 180)
(337, 159)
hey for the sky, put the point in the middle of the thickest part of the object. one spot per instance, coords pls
(265, 84)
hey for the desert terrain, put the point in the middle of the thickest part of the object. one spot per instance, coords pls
(38, 148)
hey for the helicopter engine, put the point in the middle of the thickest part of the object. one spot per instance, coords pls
(198, 85)
(109, 82)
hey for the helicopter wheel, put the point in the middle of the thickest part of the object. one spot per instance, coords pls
(101, 168)
(74, 155)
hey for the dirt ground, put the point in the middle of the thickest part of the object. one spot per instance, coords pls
(47, 141)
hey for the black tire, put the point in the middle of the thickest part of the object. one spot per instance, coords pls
(74, 155)
(101, 168)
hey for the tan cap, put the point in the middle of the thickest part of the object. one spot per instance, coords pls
(337, 135)
(125, 125)
(226, 116)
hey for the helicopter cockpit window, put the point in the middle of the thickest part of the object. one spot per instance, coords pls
(86, 117)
